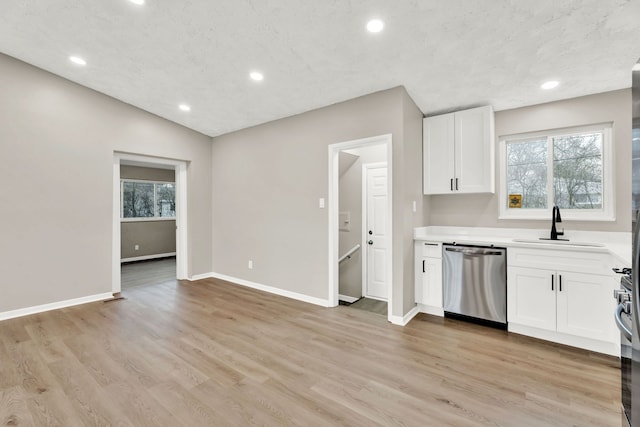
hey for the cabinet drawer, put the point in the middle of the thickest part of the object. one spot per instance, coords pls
(431, 249)
(568, 260)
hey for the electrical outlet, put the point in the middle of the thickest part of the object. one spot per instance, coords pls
(136, 248)
(250, 264)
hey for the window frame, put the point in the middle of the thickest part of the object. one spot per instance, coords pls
(607, 213)
(155, 216)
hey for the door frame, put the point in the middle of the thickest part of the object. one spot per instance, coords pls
(180, 168)
(333, 226)
(365, 217)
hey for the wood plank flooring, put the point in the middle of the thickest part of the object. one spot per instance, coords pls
(370, 304)
(150, 272)
(209, 353)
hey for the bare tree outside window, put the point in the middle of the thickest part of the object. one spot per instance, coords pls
(527, 172)
(148, 199)
(564, 169)
(166, 200)
(137, 200)
(577, 171)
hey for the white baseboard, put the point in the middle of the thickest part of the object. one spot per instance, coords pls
(146, 257)
(402, 321)
(436, 311)
(200, 277)
(265, 288)
(612, 349)
(54, 306)
(347, 298)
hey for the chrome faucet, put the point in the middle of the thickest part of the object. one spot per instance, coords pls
(555, 218)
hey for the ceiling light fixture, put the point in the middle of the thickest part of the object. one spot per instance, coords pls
(256, 76)
(184, 107)
(138, 2)
(77, 60)
(550, 84)
(375, 26)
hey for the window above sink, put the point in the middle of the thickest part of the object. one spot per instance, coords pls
(571, 168)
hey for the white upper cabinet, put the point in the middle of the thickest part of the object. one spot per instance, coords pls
(458, 152)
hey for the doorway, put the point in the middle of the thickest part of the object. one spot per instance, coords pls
(175, 261)
(360, 251)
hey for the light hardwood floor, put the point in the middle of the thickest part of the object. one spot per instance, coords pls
(209, 353)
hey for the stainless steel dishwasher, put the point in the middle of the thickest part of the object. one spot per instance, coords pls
(475, 282)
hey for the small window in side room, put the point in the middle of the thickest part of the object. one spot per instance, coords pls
(147, 200)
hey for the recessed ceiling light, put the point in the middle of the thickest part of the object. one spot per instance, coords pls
(256, 76)
(77, 60)
(138, 2)
(375, 26)
(184, 107)
(550, 84)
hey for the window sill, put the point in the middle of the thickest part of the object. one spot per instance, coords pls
(565, 217)
(148, 219)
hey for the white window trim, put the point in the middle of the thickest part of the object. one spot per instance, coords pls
(149, 219)
(155, 216)
(607, 213)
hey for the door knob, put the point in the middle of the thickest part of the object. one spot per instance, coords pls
(370, 242)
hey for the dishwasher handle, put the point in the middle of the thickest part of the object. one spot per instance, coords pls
(475, 251)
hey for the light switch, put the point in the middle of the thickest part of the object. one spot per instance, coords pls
(415, 206)
(321, 203)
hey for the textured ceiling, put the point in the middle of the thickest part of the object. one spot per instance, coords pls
(449, 54)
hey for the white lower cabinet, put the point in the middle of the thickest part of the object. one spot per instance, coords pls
(585, 306)
(530, 300)
(572, 304)
(562, 301)
(428, 277)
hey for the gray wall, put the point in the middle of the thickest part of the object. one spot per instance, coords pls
(152, 237)
(148, 174)
(57, 141)
(411, 170)
(482, 210)
(267, 181)
(351, 201)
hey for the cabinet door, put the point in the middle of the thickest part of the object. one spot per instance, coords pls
(474, 150)
(585, 306)
(429, 281)
(438, 154)
(432, 282)
(531, 301)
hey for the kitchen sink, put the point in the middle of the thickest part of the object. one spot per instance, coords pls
(560, 242)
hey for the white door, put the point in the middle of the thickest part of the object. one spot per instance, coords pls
(376, 232)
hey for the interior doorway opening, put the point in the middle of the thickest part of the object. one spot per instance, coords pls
(360, 250)
(149, 220)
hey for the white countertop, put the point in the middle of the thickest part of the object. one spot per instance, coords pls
(616, 244)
